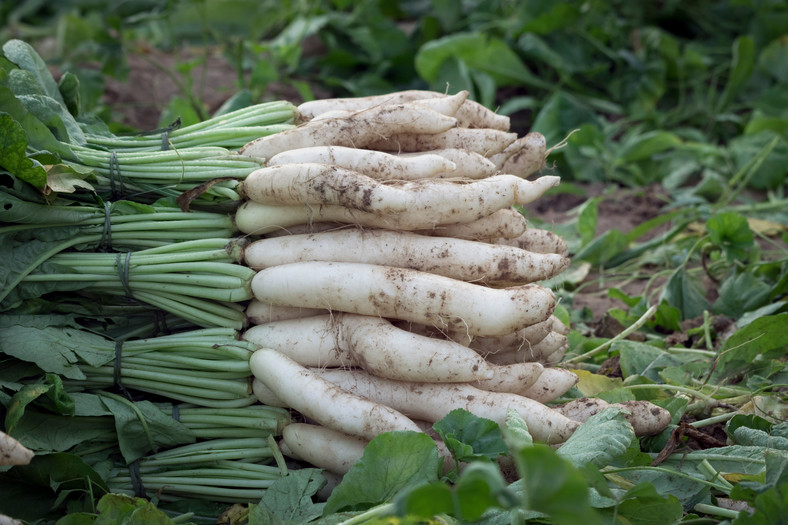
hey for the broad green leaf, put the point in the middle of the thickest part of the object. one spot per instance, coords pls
(731, 232)
(560, 115)
(683, 293)
(647, 145)
(426, 501)
(16, 408)
(773, 59)
(601, 438)
(643, 505)
(773, 168)
(587, 220)
(479, 52)
(23, 55)
(638, 358)
(142, 427)
(553, 486)
(764, 338)
(470, 437)
(591, 384)
(290, 498)
(604, 248)
(120, 508)
(55, 349)
(742, 65)
(771, 507)
(13, 157)
(68, 86)
(741, 293)
(391, 462)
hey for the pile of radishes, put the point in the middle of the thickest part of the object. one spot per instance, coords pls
(396, 281)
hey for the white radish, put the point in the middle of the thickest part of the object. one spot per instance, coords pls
(375, 345)
(439, 201)
(523, 338)
(456, 258)
(433, 401)
(539, 241)
(354, 130)
(470, 113)
(484, 141)
(503, 224)
(646, 418)
(258, 312)
(401, 293)
(514, 379)
(329, 405)
(468, 164)
(528, 158)
(551, 384)
(541, 351)
(322, 447)
(12, 452)
(434, 209)
(376, 164)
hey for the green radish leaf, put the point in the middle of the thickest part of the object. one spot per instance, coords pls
(602, 438)
(603, 248)
(13, 157)
(770, 507)
(759, 341)
(682, 293)
(289, 499)
(23, 55)
(553, 486)
(426, 501)
(647, 145)
(69, 90)
(742, 65)
(391, 462)
(643, 505)
(142, 427)
(469, 437)
(773, 59)
(739, 293)
(16, 408)
(731, 232)
(120, 508)
(55, 349)
(587, 219)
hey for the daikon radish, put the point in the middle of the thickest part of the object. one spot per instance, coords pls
(12, 452)
(322, 447)
(503, 224)
(401, 293)
(460, 259)
(519, 340)
(468, 164)
(539, 241)
(484, 141)
(513, 379)
(357, 129)
(377, 346)
(329, 405)
(540, 351)
(432, 212)
(646, 418)
(433, 401)
(258, 312)
(376, 164)
(442, 201)
(470, 113)
(551, 384)
(522, 157)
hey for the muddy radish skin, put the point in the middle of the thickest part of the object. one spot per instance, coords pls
(373, 344)
(376, 164)
(470, 113)
(551, 384)
(399, 293)
(542, 351)
(522, 157)
(483, 141)
(329, 405)
(260, 219)
(445, 201)
(646, 418)
(322, 447)
(460, 259)
(433, 401)
(467, 164)
(539, 241)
